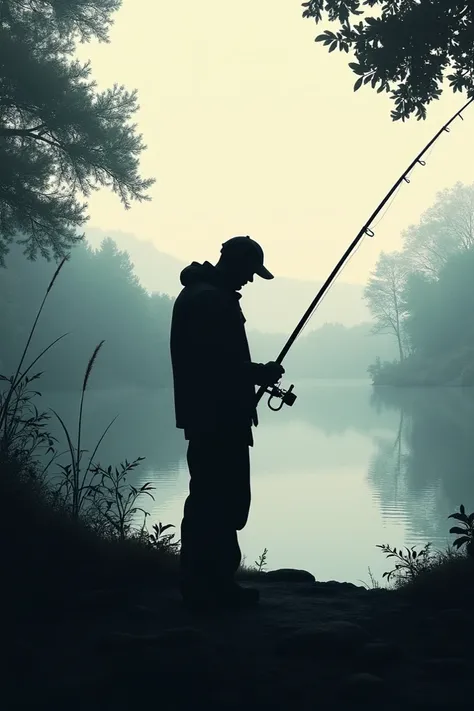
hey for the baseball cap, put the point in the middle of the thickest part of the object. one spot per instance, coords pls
(250, 249)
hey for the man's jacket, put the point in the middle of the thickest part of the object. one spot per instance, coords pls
(214, 378)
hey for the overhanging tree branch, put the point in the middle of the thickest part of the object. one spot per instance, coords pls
(58, 136)
(402, 48)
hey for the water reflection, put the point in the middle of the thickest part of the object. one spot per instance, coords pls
(344, 469)
(428, 468)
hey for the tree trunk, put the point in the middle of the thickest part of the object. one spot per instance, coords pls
(400, 349)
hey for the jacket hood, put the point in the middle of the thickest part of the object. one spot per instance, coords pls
(197, 272)
(205, 273)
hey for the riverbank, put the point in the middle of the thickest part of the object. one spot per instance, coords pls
(99, 625)
(450, 369)
(309, 645)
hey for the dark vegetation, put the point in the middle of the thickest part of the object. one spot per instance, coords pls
(90, 514)
(424, 297)
(437, 576)
(60, 139)
(402, 47)
(85, 507)
(75, 543)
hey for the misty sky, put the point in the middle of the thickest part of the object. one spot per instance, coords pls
(253, 128)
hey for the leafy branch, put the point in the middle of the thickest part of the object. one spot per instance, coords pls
(411, 562)
(403, 48)
(465, 531)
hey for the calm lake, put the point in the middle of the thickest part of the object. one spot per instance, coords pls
(343, 470)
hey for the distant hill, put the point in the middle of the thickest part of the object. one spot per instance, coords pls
(270, 307)
(156, 270)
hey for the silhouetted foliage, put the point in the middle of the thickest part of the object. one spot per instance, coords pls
(59, 138)
(410, 563)
(444, 569)
(403, 47)
(93, 497)
(465, 531)
(98, 298)
(262, 561)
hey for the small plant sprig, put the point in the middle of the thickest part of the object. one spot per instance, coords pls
(25, 426)
(465, 531)
(374, 583)
(115, 501)
(262, 561)
(410, 563)
(158, 540)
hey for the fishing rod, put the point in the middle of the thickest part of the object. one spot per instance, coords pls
(288, 397)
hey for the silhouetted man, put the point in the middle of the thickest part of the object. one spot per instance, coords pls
(214, 389)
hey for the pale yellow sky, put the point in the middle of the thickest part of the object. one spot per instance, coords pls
(253, 128)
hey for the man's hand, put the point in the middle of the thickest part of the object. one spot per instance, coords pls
(272, 372)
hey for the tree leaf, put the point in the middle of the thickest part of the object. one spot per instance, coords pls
(357, 68)
(461, 541)
(168, 525)
(457, 529)
(358, 84)
(459, 517)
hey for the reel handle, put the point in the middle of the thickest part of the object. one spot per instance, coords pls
(287, 397)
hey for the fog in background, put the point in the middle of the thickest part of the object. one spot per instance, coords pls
(252, 128)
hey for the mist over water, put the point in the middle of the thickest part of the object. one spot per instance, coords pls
(345, 469)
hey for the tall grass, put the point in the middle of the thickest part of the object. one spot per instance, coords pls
(100, 496)
(11, 400)
(77, 483)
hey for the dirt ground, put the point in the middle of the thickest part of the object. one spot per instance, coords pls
(309, 645)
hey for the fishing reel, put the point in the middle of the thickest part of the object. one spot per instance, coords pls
(287, 397)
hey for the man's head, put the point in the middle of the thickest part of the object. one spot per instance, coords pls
(242, 258)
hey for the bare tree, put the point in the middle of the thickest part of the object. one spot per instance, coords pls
(384, 294)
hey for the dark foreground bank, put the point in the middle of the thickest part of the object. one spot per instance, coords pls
(96, 625)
